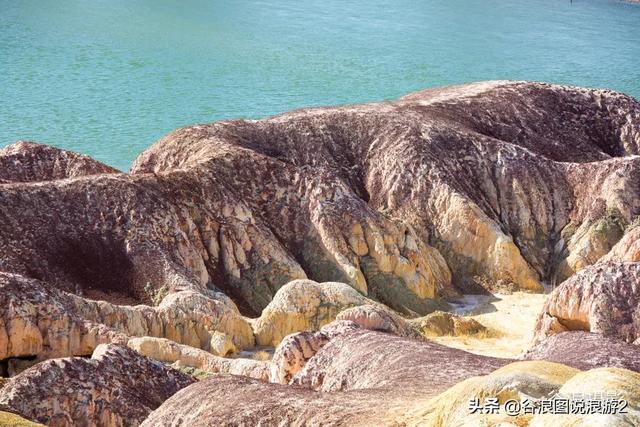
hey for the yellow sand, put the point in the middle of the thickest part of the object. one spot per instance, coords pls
(510, 319)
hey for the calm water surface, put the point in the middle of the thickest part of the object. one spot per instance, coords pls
(108, 78)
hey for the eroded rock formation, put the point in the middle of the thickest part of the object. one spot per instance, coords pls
(368, 214)
(304, 305)
(585, 350)
(498, 184)
(27, 161)
(603, 298)
(44, 322)
(117, 386)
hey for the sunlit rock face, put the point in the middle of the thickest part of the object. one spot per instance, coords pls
(499, 185)
(402, 382)
(41, 322)
(586, 350)
(603, 298)
(27, 161)
(509, 181)
(367, 377)
(116, 387)
(339, 231)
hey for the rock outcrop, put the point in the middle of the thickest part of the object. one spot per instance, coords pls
(378, 318)
(368, 214)
(117, 386)
(620, 383)
(168, 351)
(584, 350)
(443, 323)
(43, 322)
(366, 359)
(603, 298)
(27, 161)
(304, 305)
(8, 419)
(498, 184)
(517, 381)
(357, 370)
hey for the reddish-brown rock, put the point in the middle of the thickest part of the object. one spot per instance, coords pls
(585, 350)
(483, 184)
(27, 161)
(365, 376)
(603, 298)
(116, 387)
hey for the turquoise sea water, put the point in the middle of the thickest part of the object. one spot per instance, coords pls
(109, 77)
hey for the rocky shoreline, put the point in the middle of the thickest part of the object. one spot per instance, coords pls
(326, 243)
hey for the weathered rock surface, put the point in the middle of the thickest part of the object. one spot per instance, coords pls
(444, 323)
(116, 387)
(43, 322)
(367, 359)
(480, 184)
(304, 305)
(8, 419)
(478, 171)
(295, 350)
(379, 318)
(603, 298)
(360, 368)
(627, 248)
(585, 350)
(27, 161)
(617, 382)
(168, 351)
(496, 185)
(517, 381)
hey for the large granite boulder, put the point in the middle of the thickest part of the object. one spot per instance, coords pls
(603, 298)
(116, 387)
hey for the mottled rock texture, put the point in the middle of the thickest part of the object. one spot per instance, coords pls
(585, 350)
(379, 318)
(486, 186)
(116, 387)
(603, 381)
(43, 322)
(8, 419)
(168, 351)
(603, 298)
(441, 323)
(27, 161)
(517, 381)
(304, 305)
(493, 184)
(365, 376)
(366, 359)
(295, 350)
